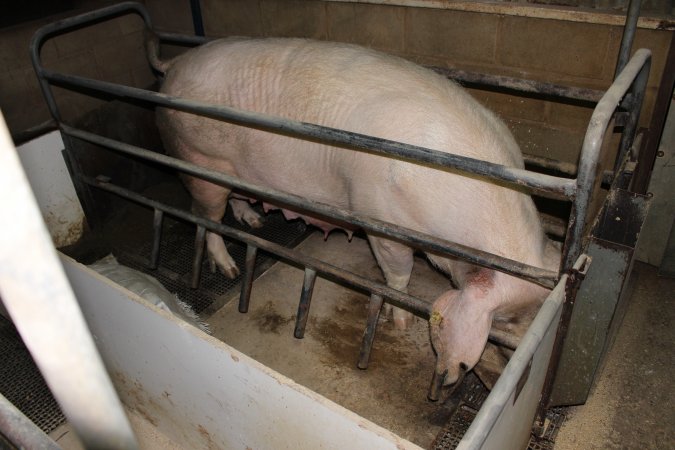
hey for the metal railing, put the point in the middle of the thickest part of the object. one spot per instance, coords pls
(626, 93)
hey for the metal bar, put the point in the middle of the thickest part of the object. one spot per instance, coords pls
(544, 185)
(247, 281)
(566, 168)
(199, 256)
(197, 22)
(157, 221)
(403, 300)
(663, 98)
(423, 241)
(182, 39)
(41, 303)
(521, 85)
(628, 35)
(60, 27)
(374, 308)
(635, 105)
(305, 301)
(590, 153)
(395, 297)
(20, 430)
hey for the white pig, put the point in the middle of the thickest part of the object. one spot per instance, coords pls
(360, 90)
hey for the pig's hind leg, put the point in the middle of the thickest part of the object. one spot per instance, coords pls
(209, 201)
(396, 262)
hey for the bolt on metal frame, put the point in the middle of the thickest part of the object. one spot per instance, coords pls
(622, 99)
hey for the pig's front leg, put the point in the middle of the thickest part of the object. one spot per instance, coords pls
(209, 201)
(396, 262)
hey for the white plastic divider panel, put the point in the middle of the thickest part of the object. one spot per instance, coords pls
(48, 175)
(505, 419)
(202, 393)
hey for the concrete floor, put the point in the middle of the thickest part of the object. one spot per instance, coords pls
(632, 405)
(392, 391)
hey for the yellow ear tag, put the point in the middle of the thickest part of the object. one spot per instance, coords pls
(436, 318)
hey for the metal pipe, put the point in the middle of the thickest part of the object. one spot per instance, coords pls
(20, 430)
(41, 303)
(247, 280)
(590, 152)
(521, 85)
(628, 35)
(305, 302)
(197, 22)
(374, 308)
(423, 241)
(544, 185)
(634, 106)
(157, 220)
(198, 256)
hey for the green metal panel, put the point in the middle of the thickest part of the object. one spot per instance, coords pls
(600, 302)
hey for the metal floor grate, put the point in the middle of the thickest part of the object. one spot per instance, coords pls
(21, 382)
(471, 398)
(177, 250)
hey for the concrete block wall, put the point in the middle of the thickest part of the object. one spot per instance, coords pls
(111, 51)
(557, 51)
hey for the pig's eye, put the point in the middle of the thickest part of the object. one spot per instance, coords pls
(463, 367)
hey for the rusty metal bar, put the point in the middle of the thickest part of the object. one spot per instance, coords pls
(374, 308)
(199, 256)
(247, 279)
(423, 241)
(157, 221)
(628, 35)
(395, 297)
(521, 85)
(305, 301)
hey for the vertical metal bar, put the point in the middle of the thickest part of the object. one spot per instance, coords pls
(199, 255)
(305, 300)
(197, 21)
(157, 221)
(41, 303)
(369, 335)
(629, 130)
(655, 130)
(247, 281)
(628, 35)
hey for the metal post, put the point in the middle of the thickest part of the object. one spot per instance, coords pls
(374, 308)
(247, 281)
(305, 301)
(199, 255)
(628, 35)
(157, 221)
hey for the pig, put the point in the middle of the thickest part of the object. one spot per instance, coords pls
(361, 90)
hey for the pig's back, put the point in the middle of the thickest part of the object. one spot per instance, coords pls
(348, 87)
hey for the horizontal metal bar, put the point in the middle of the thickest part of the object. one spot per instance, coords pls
(522, 85)
(545, 185)
(183, 39)
(414, 304)
(423, 241)
(393, 296)
(567, 168)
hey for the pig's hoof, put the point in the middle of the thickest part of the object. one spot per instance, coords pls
(403, 319)
(230, 272)
(254, 222)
